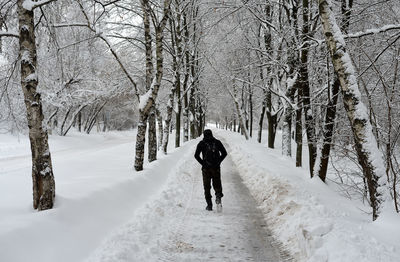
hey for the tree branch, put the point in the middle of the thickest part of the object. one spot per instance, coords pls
(30, 4)
(8, 33)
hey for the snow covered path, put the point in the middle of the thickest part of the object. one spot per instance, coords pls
(175, 226)
(239, 233)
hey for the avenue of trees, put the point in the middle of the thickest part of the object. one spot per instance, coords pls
(322, 74)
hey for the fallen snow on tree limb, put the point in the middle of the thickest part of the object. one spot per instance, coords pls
(373, 31)
(30, 4)
(144, 99)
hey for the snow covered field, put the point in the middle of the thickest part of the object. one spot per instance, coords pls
(105, 211)
(97, 191)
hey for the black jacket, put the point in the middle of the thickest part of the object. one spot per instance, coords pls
(202, 147)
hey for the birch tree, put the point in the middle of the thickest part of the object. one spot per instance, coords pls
(147, 100)
(368, 154)
(42, 171)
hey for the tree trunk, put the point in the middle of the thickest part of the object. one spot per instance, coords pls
(251, 111)
(179, 61)
(260, 123)
(167, 123)
(331, 108)
(272, 124)
(140, 142)
(65, 120)
(160, 129)
(286, 131)
(94, 117)
(186, 81)
(80, 121)
(42, 171)
(299, 129)
(242, 123)
(178, 117)
(152, 135)
(149, 100)
(368, 154)
(75, 115)
(328, 130)
(305, 86)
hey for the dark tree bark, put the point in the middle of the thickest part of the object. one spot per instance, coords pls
(80, 121)
(305, 86)
(74, 118)
(65, 120)
(160, 129)
(42, 171)
(179, 60)
(328, 130)
(152, 135)
(251, 110)
(148, 103)
(299, 129)
(331, 107)
(94, 117)
(186, 80)
(260, 122)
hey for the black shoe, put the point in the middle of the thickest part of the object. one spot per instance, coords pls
(218, 200)
(209, 208)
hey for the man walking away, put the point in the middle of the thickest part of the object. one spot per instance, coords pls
(213, 153)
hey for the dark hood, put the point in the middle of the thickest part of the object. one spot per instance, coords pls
(208, 135)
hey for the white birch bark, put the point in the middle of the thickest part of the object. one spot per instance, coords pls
(42, 171)
(368, 154)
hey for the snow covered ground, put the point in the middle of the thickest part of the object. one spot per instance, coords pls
(97, 191)
(176, 226)
(107, 212)
(309, 217)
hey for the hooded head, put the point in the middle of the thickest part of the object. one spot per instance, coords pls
(207, 134)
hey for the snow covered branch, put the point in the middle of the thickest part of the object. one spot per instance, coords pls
(70, 25)
(30, 4)
(367, 32)
(373, 31)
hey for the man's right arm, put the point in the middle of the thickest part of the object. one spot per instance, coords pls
(197, 154)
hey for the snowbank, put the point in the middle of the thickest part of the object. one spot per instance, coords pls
(97, 192)
(149, 235)
(314, 222)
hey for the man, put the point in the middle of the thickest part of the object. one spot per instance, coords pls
(213, 153)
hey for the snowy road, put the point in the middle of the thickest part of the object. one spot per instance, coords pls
(239, 233)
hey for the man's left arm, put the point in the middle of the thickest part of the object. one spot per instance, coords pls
(223, 152)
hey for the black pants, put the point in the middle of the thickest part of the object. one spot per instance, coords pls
(213, 174)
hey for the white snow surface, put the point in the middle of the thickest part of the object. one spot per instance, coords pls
(312, 220)
(97, 190)
(105, 211)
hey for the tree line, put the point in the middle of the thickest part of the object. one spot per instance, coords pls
(324, 72)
